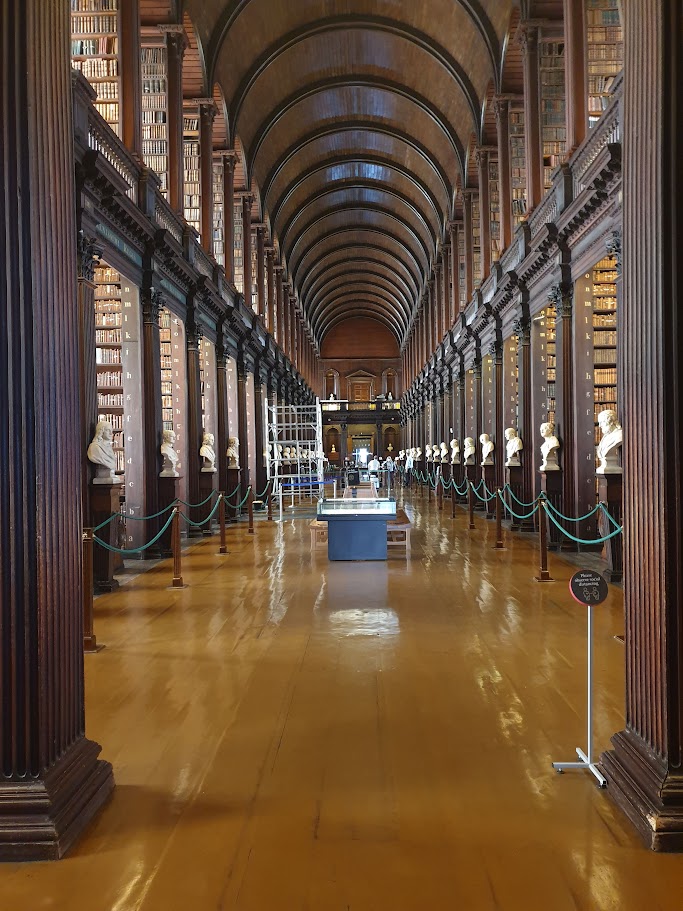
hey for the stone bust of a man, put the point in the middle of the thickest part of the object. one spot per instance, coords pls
(455, 452)
(169, 469)
(512, 447)
(549, 448)
(610, 444)
(101, 454)
(233, 452)
(470, 451)
(208, 454)
(486, 449)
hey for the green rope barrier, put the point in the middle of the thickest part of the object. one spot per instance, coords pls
(613, 534)
(568, 518)
(513, 513)
(204, 521)
(132, 518)
(460, 493)
(231, 495)
(197, 505)
(610, 516)
(134, 550)
(484, 499)
(246, 497)
(516, 499)
(260, 496)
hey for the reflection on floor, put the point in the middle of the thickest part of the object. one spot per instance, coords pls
(292, 734)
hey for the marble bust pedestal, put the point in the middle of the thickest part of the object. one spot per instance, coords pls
(234, 480)
(610, 492)
(552, 487)
(514, 477)
(488, 474)
(208, 482)
(105, 501)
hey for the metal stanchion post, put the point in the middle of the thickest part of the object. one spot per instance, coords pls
(280, 491)
(175, 547)
(250, 506)
(269, 490)
(470, 502)
(439, 492)
(429, 489)
(452, 498)
(223, 549)
(499, 521)
(89, 638)
(543, 575)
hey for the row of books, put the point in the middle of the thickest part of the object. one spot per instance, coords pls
(84, 25)
(90, 47)
(110, 399)
(98, 67)
(94, 6)
(605, 338)
(107, 355)
(605, 356)
(114, 418)
(606, 376)
(110, 378)
(108, 337)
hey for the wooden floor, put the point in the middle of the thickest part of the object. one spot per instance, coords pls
(291, 734)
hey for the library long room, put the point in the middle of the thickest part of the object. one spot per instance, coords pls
(340, 433)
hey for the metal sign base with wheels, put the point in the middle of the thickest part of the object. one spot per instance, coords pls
(588, 588)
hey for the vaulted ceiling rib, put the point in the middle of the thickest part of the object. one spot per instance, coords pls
(355, 119)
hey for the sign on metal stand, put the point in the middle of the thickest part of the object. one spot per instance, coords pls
(590, 589)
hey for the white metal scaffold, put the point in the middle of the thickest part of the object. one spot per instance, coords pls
(295, 452)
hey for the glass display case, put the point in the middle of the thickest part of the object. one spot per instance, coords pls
(356, 529)
(379, 506)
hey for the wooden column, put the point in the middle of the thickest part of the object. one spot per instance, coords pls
(176, 42)
(88, 259)
(193, 338)
(207, 113)
(469, 247)
(270, 292)
(222, 409)
(498, 413)
(484, 211)
(575, 73)
(152, 302)
(502, 109)
(532, 115)
(52, 783)
(261, 274)
(644, 768)
(242, 425)
(453, 228)
(279, 308)
(438, 302)
(259, 418)
(446, 289)
(229, 161)
(131, 79)
(565, 401)
(526, 429)
(247, 201)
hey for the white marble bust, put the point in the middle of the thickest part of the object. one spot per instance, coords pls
(428, 451)
(169, 469)
(512, 447)
(487, 448)
(550, 448)
(470, 451)
(610, 444)
(208, 454)
(233, 452)
(418, 454)
(436, 453)
(444, 454)
(455, 452)
(101, 454)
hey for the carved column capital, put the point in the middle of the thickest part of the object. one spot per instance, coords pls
(89, 253)
(561, 296)
(152, 302)
(522, 329)
(613, 244)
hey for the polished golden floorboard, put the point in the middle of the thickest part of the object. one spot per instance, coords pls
(291, 734)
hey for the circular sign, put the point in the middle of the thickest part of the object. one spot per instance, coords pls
(588, 587)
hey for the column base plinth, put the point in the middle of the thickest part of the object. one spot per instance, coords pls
(41, 818)
(651, 798)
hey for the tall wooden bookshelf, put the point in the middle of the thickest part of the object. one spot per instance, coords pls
(166, 368)
(517, 165)
(238, 236)
(553, 107)
(95, 28)
(218, 211)
(494, 209)
(462, 291)
(476, 241)
(191, 167)
(154, 71)
(254, 275)
(604, 337)
(605, 48)
(551, 360)
(108, 317)
(511, 383)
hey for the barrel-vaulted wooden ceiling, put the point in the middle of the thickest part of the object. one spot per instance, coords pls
(355, 117)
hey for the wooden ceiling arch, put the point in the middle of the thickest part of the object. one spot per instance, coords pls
(336, 243)
(352, 192)
(359, 265)
(356, 126)
(368, 170)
